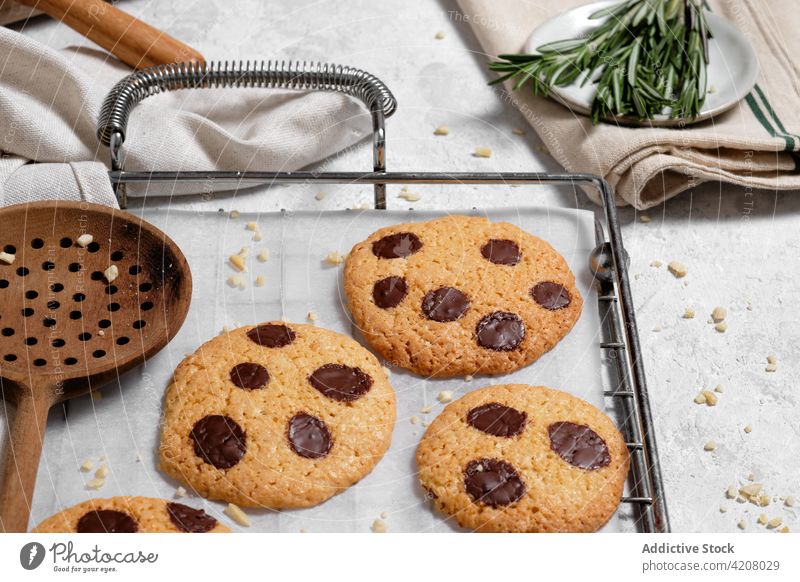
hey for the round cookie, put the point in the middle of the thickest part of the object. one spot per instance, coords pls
(518, 458)
(131, 515)
(279, 415)
(460, 295)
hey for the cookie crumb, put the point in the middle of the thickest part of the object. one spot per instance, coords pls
(439, 35)
(101, 332)
(789, 501)
(84, 240)
(751, 491)
(87, 466)
(379, 526)
(678, 269)
(719, 314)
(95, 483)
(414, 420)
(688, 313)
(237, 515)
(311, 316)
(721, 327)
(700, 398)
(644, 218)
(710, 446)
(180, 492)
(723, 509)
(111, 273)
(263, 255)
(711, 398)
(748, 429)
(7, 258)
(763, 500)
(319, 195)
(234, 214)
(409, 196)
(482, 153)
(334, 258)
(732, 492)
(441, 130)
(774, 522)
(260, 281)
(445, 396)
(238, 262)
(236, 281)
(772, 359)
(102, 472)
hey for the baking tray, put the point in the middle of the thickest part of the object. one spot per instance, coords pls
(625, 393)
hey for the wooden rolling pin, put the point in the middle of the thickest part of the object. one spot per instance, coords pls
(130, 40)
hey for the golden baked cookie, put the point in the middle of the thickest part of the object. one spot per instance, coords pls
(518, 458)
(279, 415)
(131, 515)
(460, 295)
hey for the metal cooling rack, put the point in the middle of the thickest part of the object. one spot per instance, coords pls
(608, 262)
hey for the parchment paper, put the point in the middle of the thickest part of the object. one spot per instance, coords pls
(121, 430)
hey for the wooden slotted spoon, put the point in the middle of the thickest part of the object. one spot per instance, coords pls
(64, 329)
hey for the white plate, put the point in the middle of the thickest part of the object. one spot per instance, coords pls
(732, 68)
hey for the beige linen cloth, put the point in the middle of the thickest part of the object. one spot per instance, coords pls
(753, 145)
(50, 101)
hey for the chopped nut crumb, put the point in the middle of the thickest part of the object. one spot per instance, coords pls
(771, 368)
(102, 472)
(772, 359)
(718, 388)
(237, 515)
(441, 130)
(414, 420)
(763, 519)
(234, 214)
(334, 258)
(711, 398)
(236, 281)
(656, 263)
(180, 492)
(319, 195)
(386, 370)
(789, 501)
(260, 281)
(749, 306)
(439, 35)
(426, 410)
(721, 327)
(751, 477)
(84, 240)
(700, 398)
(87, 466)
(238, 262)
(719, 314)
(311, 316)
(101, 332)
(678, 269)
(542, 149)
(95, 483)
(657, 328)
(263, 255)
(445, 396)
(468, 378)
(710, 446)
(763, 500)
(258, 237)
(751, 490)
(518, 131)
(384, 514)
(244, 252)
(732, 492)
(774, 522)
(688, 313)
(253, 226)
(111, 273)
(644, 218)
(742, 524)
(409, 196)
(379, 526)
(482, 153)
(7, 258)
(748, 429)
(723, 509)
(784, 529)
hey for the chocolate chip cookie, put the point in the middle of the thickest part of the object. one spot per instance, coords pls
(460, 295)
(131, 515)
(278, 415)
(518, 458)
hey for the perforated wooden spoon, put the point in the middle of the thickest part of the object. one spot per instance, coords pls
(65, 329)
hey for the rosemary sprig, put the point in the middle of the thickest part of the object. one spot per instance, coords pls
(647, 55)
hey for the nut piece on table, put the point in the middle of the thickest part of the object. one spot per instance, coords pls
(719, 314)
(379, 526)
(482, 153)
(84, 240)
(237, 515)
(678, 269)
(441, 130)
(7, 258)
(111, 273)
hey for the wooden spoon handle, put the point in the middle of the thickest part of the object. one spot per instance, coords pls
(24, 448)
(132, 41)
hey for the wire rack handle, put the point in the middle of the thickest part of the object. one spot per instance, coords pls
(297, 75)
